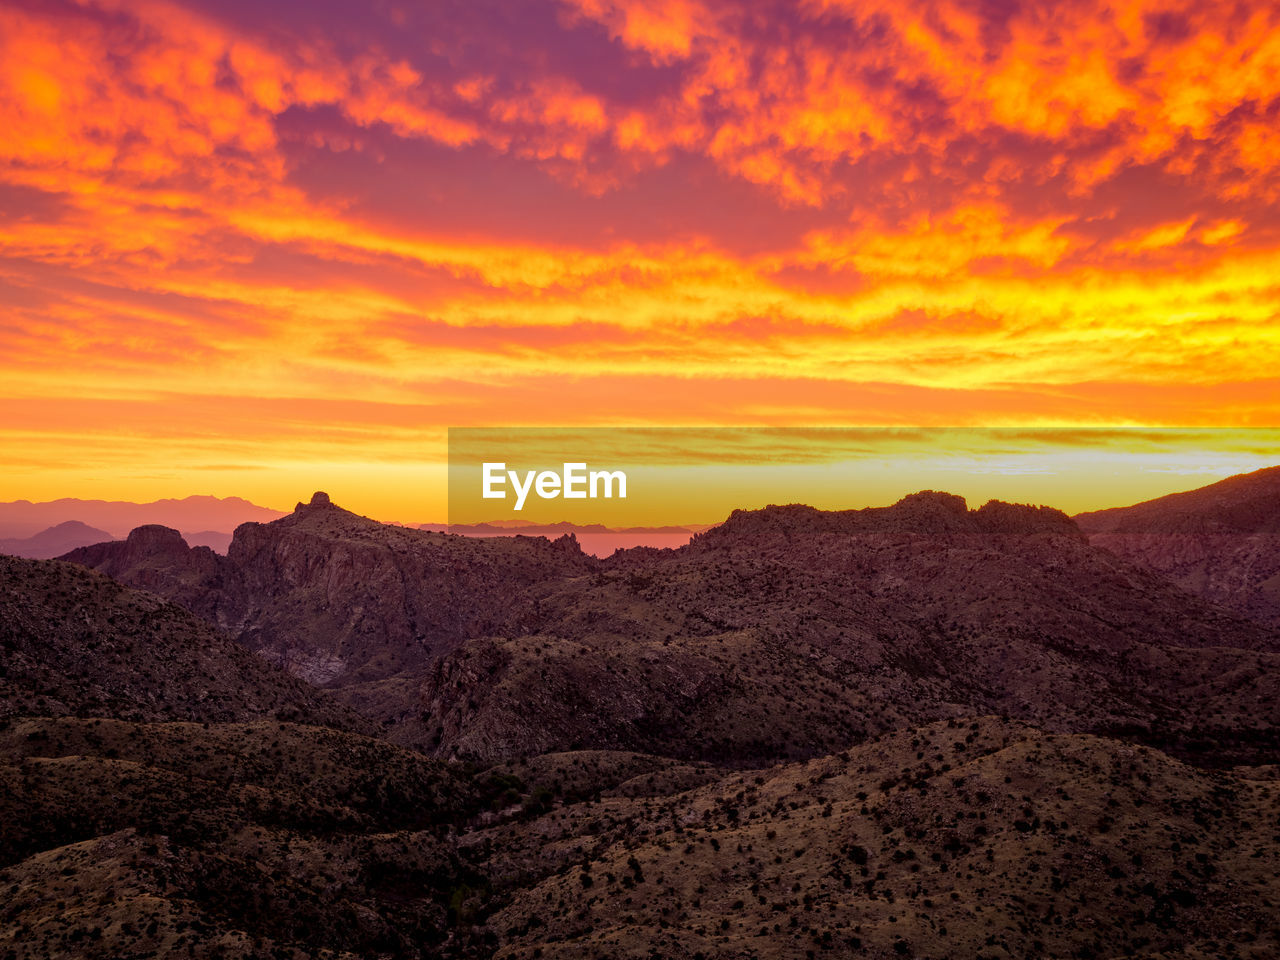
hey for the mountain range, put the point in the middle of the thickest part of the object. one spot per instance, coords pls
(917, 730)
(594, 538)
(784, 632)
(31, 529)
(54, 542)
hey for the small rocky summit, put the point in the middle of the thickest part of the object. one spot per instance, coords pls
(318, 499)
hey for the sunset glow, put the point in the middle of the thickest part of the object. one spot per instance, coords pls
(257, 249)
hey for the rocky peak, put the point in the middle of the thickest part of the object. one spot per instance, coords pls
(926, 513)
(154, 538)
(318, 499)
(996, 516)
(934, 501)
(929, 511)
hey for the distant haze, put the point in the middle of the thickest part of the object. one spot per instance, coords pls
(209, 518)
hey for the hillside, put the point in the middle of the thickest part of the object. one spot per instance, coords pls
(76, 642)
(960, 839)
(973, 837)
(1221, 542)
(226, 840)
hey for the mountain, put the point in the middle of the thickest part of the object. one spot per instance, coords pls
(975, 838)
(76, 642)
(54, 541)
(782, 633)
(1221, 542)
(918, 730)
(22, 518)
(343, 601)
(215, 540)
(789, 631)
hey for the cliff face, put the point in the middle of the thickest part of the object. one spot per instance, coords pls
(1221, 542)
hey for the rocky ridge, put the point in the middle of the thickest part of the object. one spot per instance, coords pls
(1221, 542)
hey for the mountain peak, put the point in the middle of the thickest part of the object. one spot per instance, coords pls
(155, 537)
(997, 516)
(318, 499)
(935, 500)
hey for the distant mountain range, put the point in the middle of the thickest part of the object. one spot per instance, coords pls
(50, 529)
(202, 519)
(54, 542)
(594, 538)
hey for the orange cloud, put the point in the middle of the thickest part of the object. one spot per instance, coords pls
(840, 209)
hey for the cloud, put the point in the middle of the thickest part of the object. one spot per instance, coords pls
(1012, 203)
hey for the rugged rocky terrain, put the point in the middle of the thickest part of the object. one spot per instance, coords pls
(1221, 542)
(342, 601)
(75, 642)
(790, 632)
(783, 633)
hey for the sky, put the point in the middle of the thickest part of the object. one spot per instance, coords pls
(257, 248)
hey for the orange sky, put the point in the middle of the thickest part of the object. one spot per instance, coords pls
(257, 248)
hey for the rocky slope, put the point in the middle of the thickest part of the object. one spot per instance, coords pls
(1221, 542)
(76, 642)
(980, 838)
